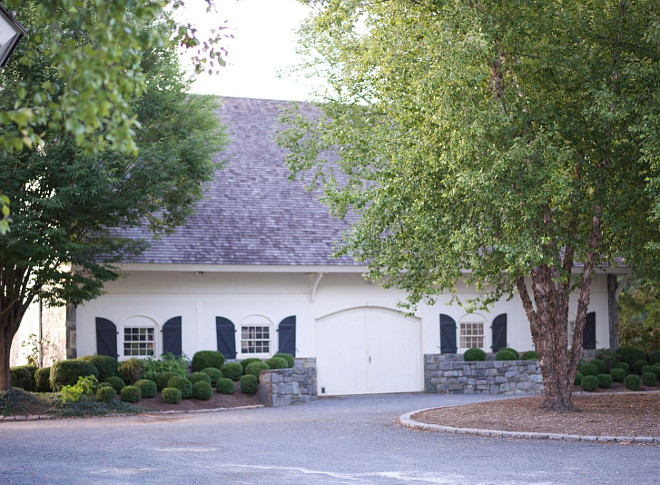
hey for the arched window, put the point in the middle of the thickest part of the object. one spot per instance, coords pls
(139, 337)
(256, 336)
(472, 331)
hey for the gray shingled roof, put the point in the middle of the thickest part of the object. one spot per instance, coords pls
(252, 214)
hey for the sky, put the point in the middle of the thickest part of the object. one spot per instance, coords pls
(263, 45)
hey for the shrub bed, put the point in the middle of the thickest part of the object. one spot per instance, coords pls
(232, 370)
(130, 370)
(600, 365)
(207, 358)
(604, 381)
(249, 384)
(618, 374)
(288, 357)
(622, 365)
(474, 355)
(199, 376)
(171, 395)
(215, 374)
(23, 377)
(131, 394)
(202, 390)
(105, 394)
(630, 355)
(654, 357)
(147, 387)
(225, 386)
(67, 372)
(589, 370)
(632, 382)
(245, 362)
(106, 365)
(163, 378)
(182, 384)
(506, 354)
(255, 368)
(42, 380)
(639, 365)
(578, 379)
(277, 363)
(116, 382)
(530, 355)
(649, 379)
(589, 383)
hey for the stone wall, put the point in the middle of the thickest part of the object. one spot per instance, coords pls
(450, 373)
(282, 387)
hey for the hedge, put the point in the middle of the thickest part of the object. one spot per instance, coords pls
(249, 384)
(182, 384)
(23, 377)
(277, 363)
(207, 358)
(215, 374)
(42, 380)
(288, 357)
(232, 370)
(474, 355)
(66, 373)
(199, 376)
(116, 382)
(171, 395)
(147, 387)
(130, 370)
(202, 390)
(107, 366)
(255, 368)
(131, 394)
(225, 386)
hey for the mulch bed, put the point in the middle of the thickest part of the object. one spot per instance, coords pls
(217, 401)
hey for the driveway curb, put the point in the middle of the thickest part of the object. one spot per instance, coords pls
(407, 421)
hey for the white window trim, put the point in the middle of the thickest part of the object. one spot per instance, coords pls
(255, 321)
(139, 321)
(472, 318)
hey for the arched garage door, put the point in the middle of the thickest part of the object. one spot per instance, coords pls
(368, 350)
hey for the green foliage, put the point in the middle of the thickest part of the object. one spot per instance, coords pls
(621, 365)
(106, 365)
(171, 395)
(182, 384)
(131, 394)
(589, 370)
(654, 357)
(202, 390)
(249, 384)
(199, 376)
(67, 372)
(629, 355)
(86, 385)
(23, 377)
(651, 368)
(604, 381)
(632, 382)
(288, 357)
(255, 368)
(214, 374)
(530, 355)
(105, 394)
(277, 363)
(506, 354)
(245, 362)
(207, 358)
(649, 379)
(225, 386)
(474, 355)
(162, 379)
(147, 387)
(578, 379)
(618, 374)
(167, 363)
(638, 365)
(589, 383)
(16, 401)
(42, 379)
(639, 315)
(232, 370)
(116, 382)
(600, 365)
(130, 370)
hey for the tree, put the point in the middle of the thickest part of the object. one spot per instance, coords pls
(508, 144)
(640, 315)
(73, 198)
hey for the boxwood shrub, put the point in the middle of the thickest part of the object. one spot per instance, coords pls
(618, 374)
(225, 386)
(649, 379)
(163, 378)
(288, 357)
(530, 355)
(215, 374)
(629, 355)
(202, 390)
(107, 366)
(621, 365)
(147, 387)
(232, 370)
(199, 376)
(474, 355)
(588, 370)
(249, 384)
(42, 380)
(506, 354)
(638, 365)
(277, 363)
(23, 377)
(67, 372)
(131, 394)
(254, 368)
(207, 358)
(116, 382)
(130, 370)
(589, 383)
(578, 379)
(604, 381)
(600, 365)
(245, 362)
(651, 368)
(105, 394)
(182, 384)
(171, 395)
(654, 357)
(632, 382)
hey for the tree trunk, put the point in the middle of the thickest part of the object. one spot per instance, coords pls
(10, 318)
(613, 310)
(5, 349)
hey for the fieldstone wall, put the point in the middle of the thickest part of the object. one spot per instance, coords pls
(282, 387)
(450, 373)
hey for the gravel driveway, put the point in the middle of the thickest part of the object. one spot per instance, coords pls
(351, 440)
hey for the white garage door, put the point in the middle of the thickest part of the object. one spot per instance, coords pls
(368, 350)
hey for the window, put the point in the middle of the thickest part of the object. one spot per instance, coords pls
(139, 341)
(255, 339)
(472, 334)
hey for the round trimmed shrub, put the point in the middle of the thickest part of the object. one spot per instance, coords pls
(255, 368)
(649, 379)
(130, 370)
(245, 362)
(116, 382)
(147, 387)
(588, 370)
(657, 369)
(277, 363)
(171, 395)
(207, 358)
(639, 365)
(105, 394)
(629, 355)
(163, 378)
(23, 377)
(654, 357)
(182, 384)
(215, 374)
(66, 373)
(589, 383)
(506, 354)
(107, 366)
(618, 374)
(199, 376)
(474, 355)
(249, 384)
(530, 355)
(632, 382)
(651, 368)
(600, 364)
(42, 380)
(202, 390)
(232, 370)
(578, 379)
(622, 365)
(131, 394)
(225, 386)
(604, 381)
(288, 357)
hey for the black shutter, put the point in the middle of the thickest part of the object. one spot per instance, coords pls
(225, 335)
(106, 338)
(499, 332)
(172, 337)
(589, 334)
(447, 334)
(287, 336)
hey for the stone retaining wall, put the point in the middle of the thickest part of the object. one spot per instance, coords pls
(450, 373)
(282, 387)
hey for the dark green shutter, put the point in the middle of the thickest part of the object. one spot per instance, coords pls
(106, 338)
(287, 336)
(589, 334)
(499, 332)
(447, 334)
(172, 337)
(225, 336)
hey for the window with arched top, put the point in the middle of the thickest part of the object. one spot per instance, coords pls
(139, 336)
(472, 331)
(256, 336)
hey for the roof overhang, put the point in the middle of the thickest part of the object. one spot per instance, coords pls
(237, 268)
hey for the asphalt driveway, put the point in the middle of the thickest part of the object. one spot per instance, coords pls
(351, 440)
